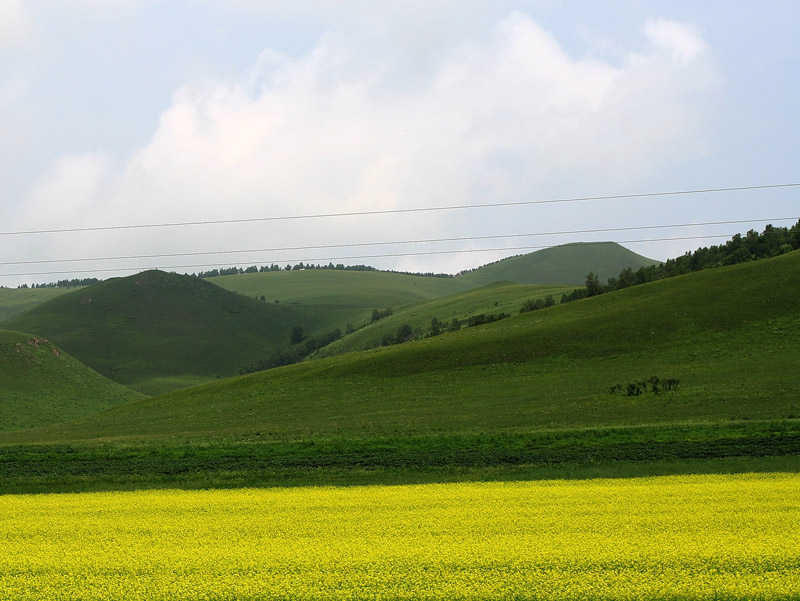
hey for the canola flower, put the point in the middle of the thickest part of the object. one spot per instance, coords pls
(677, 537)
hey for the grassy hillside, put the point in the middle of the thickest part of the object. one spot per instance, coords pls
(500, 297)
(14, 301)
(331, 299)
(565, 264)
(156, 331)
(729, 335)
(40, 384)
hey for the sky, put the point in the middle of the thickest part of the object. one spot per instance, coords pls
(118, 113)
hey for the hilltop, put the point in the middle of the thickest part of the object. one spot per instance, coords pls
(565, 264)
(333, 298)
(727, 335)
(330, 298)
(156, 331)
(41, 384)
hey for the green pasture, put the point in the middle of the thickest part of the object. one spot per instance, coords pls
(550, 393)
(493, 299)
(565, 264)
(330, 298)
(554, 453)
(14, 301)
(729, 336)
(40, 384)
(155, 329)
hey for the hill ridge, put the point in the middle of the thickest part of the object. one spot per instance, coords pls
(728, 335)
(562, 264)
(41, 384)
(154, 330)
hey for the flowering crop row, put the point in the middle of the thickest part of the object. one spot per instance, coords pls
(698, 537)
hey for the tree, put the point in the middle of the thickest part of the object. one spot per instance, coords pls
(297, 335)
(593, 285)
(404, 333)
(626, 278)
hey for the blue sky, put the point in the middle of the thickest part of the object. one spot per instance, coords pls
(132, 111)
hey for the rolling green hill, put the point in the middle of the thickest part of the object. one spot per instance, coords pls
(40, 384)
(14, 301)
(332, 298)
(493, 299)
(157, 331)
(565, 264)
(728, 335)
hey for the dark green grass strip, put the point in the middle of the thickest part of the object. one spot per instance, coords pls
(46, 468)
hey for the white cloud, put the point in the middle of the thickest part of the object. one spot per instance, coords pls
(682, 41)
(16, 26)
(13, 115)
(104, 6)
(72, 188)
(500, 120)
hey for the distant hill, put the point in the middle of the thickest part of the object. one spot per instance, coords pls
(492, 299)
(41, 384)
(565, 264)
(329, 298)
(14, 301)
(157, 331)
(728, 335)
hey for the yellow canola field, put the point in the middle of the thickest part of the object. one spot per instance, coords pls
(694, 537)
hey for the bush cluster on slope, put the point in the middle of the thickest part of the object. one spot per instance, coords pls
(299, 350)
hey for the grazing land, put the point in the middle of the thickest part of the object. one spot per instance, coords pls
(728, 335)
(331, 298)
(14, 301)
(688, 537)
(494, 299)
(565, 264)
(547, 393)
(639, 444)
(41, 384)
(563, 453)
(156, 331)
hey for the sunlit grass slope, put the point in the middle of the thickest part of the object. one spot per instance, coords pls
(493, 299)
(157, 331)
(40, 384)
(565, 264)
(331, 299)
(14, 301)
(729, 335)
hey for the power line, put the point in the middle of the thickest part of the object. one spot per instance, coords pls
(398, 242)
(376, 256)
(395, 211)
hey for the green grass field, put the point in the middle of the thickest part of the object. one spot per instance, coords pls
(156, 331)
(565, 264)
(40, 384)
(159, 332)
(728, 335)
(330, 299)
(346, 460)
(500, 297)
(527, 395)
(14, 301)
